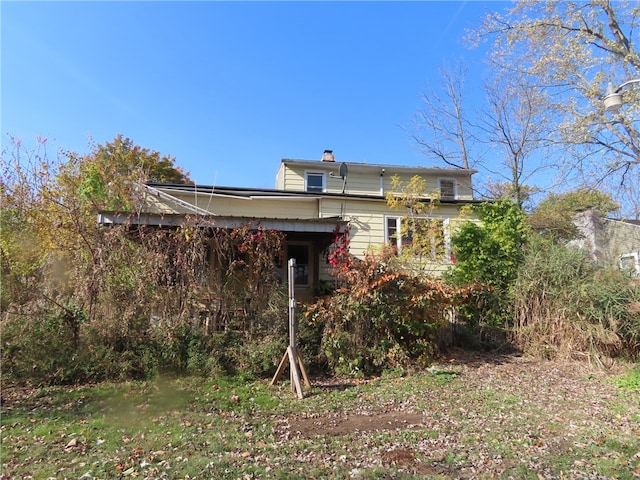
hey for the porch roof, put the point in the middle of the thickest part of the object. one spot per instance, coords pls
(303, 225)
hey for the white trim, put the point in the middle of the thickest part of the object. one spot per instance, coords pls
(297, 199)
(446, 227)
(387, 237)
(315, 172)
(446, 232)
(312, 225)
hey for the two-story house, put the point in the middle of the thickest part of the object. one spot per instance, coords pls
(311, 198)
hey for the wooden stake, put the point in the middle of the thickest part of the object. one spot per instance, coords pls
(292, 355)
(293, 359)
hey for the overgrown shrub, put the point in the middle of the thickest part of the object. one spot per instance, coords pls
(566, 306)
(381, 318)
(139, 306)
(83, 302)
(40, 347)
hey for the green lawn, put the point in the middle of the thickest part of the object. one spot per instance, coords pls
(514, 418)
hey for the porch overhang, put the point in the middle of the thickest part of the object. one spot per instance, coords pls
(302, 225)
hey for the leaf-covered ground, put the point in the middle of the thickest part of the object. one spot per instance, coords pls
(470, 416)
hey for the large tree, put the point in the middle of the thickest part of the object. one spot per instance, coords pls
(107, 175)
(441, 127)
(515, 125)
(504, 140)
(570, 51)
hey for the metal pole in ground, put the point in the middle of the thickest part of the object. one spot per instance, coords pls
(295, 360)
(292, 303)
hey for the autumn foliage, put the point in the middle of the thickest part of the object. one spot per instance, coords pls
(384, 317)
(84, 302)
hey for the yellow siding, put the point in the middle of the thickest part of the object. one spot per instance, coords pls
(280, 178)
(363, 181)
(367, 220)
(261, 208)
(294, 180)
(368, 226)
(606, 239)
(265, 208)
(465, 189)
(362, 184)
(152, 203)
(620, 239)
(463, 184)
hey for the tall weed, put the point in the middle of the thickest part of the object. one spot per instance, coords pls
(566, 306)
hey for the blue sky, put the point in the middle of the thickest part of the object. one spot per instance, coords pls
(230, 88)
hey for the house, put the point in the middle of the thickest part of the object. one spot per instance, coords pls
(310, 199)
(609, 241)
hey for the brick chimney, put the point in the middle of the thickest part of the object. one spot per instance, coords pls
(327, 156)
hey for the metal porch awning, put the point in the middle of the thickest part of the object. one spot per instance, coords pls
(303, 225)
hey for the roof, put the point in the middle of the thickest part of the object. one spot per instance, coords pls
(306, 225)
(267, 193)
(389, 169)
(626, 220)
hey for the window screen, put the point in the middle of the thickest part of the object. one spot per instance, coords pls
(315, 182)
(447, 188)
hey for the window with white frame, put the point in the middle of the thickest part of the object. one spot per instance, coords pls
(630, 262)
(314, 181)
(421, 236)
(392, 229)
(447, 188)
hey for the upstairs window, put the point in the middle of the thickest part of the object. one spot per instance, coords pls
(447, 188)
(314, 182)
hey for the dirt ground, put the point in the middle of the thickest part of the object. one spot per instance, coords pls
(555, 386)
(552, 409)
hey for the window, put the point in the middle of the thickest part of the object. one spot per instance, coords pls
(314, 182)
(630, 262)
(301, 271)
(447, 188)
(392, 232)
(424, 237)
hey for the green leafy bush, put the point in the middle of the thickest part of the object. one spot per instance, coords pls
(489, 253)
